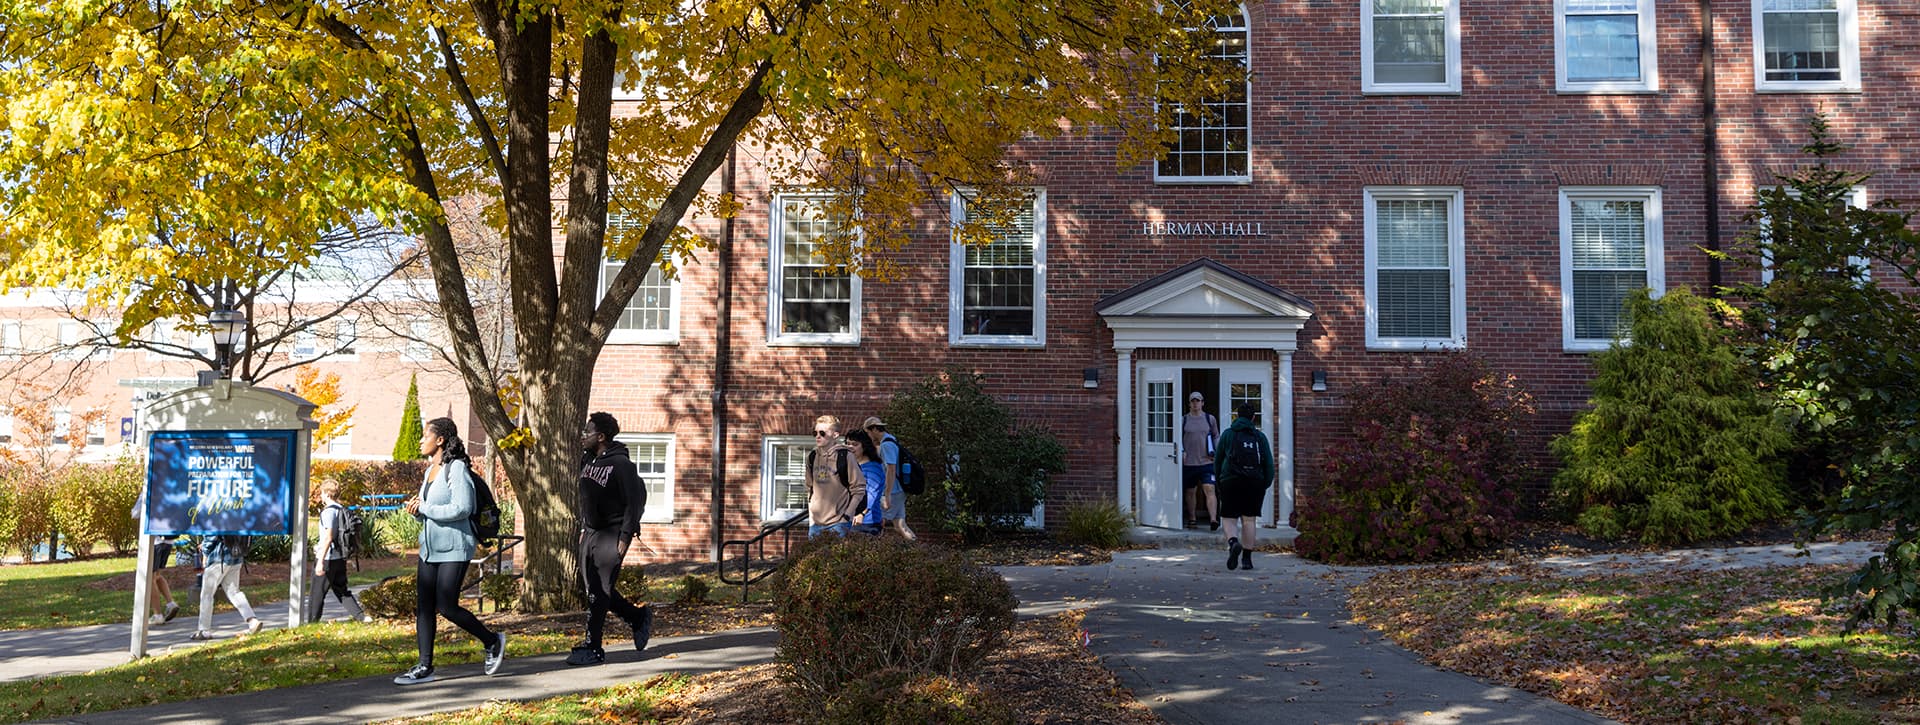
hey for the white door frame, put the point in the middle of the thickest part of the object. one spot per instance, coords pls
(1274, 419)
(1160, 469)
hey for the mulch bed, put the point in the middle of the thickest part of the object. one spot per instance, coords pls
(1540, 539)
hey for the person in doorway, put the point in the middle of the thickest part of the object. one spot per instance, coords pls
(1244, 469)
(224, 557)
(447, 543)
(1198, 430)
(330, 554)
(610, 503)
(871, 512)
(829, 499)
(160, 605)
(894, 503)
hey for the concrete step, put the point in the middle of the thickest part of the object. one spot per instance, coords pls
(1202, 537)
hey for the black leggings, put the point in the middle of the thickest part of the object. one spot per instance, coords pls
(600, 566)
(438, 590)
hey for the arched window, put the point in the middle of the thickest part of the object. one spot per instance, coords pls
(1211, 145)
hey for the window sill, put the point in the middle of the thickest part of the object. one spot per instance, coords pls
(1204, 180)
(1006, 343)
(1412, 91)
(656, 340)
(1415, 345)
(1607, 91)
(1836, 89)
(813, 342)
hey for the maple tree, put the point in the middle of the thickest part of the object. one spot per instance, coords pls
(323, 390)
(277, 116)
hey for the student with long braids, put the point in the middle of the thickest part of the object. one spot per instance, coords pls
(446, 546)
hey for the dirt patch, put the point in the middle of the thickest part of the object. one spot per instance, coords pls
(1034, 549)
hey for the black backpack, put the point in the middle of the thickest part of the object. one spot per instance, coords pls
(351, 530)
(913, 478)
(486, 511)
(1243, 460)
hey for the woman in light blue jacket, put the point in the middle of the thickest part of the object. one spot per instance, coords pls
(446, 547)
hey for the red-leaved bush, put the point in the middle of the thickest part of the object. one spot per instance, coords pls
(1428, 471)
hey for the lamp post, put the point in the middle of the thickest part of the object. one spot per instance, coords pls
(229, 325)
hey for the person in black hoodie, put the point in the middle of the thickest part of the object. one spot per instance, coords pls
(610, 501)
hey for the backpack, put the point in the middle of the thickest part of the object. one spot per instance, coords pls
(912, 478)
(1243, 460)
(351, 530)
(486, 511)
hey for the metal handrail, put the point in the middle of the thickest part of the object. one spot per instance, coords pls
(502, 544)
(747, 553)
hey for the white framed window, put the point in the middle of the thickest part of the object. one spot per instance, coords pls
(6, 426)
(809, 304)
(419, 347)
(346, 338)
(69, 342)
(306, 343)
(1610, 245)
(62, 426)
(1605, 46)
(997, 292)
(341, 445)
(160, 333)
(783, 476)
(101, 334)
(1806, 46)
(652, 315)
(1409, 46)
(652, 456)
(10, 345)
(1416, 268)
(1856, 198)
(97, 432)
(1214, 145)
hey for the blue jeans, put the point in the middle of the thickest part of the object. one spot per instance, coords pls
(840, 529)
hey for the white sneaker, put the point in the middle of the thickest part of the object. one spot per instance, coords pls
(253, 626)
(156, 620)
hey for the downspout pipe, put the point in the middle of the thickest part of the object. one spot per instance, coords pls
(1710, 112)
(722, 354)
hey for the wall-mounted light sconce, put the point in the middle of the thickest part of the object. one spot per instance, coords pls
(1090, 378)
(1319, 381)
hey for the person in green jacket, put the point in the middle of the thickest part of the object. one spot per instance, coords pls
(1243, 468)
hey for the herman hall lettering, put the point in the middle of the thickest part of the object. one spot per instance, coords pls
(1202, 229)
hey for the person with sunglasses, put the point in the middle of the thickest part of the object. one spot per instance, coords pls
(829, 499)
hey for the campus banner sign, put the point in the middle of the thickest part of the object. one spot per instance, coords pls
(220, 482)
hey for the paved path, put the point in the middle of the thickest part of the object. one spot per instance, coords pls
(1198, 643)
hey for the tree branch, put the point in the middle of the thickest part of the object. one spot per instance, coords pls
(481, 125)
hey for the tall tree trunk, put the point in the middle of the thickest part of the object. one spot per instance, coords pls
(556, 408)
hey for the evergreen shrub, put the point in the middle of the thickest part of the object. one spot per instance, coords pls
(848, 609)
(1679, 445)
(1428, 470)
(996, 468)
(1101, 524)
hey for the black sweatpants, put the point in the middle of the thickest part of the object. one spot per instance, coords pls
(335, 582)
(438, 592)
(600, 554)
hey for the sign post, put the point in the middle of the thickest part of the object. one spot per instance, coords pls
(224, 459)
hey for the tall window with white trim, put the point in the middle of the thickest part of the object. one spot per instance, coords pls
(1606, 46)
(1806, 45)
(650, 314)
(811, 303)
(1409, 46)
(1213, 144)
(652, 456)
(10, 345)
(1610, 245)
(346, 337)
(783, 476)
(1415, 260)
(62, 426)
(420, 342)
(997, 292)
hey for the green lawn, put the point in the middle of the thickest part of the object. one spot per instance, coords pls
(633, 702)
(271, 659)
(69, 593)
(1753, 645)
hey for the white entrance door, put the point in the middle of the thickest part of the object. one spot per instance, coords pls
(1159, 454)
(1241, 384)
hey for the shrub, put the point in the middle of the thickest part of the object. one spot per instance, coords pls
(394, 531)
(31, 518)
(1100, 524)
(392, 598)
(694, 591)
(501, 588)
(896, 697)
(1428, 471)
(633, 580)
(847, 609)
(1679, 445)
(270, 548)
(360, 478)
(998, 469)
(92, 503)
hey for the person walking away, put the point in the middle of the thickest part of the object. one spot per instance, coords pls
(447, 543)
(1244, 469)
(224, 555)
(610, 503)
(829, 499)
(894, 503)
(1198, 430)
(330, 554)
(160, 605)
(871, 511)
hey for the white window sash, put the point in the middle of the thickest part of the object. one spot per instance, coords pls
(1456, 267)
(346, 339)
(769, 447)
(1245, 28)
(669, 335)
(776, 294)
(1649, 40)
(659, 508)
(1849, 81)
(1452, 82)
(1856, 198)
(10, 342)
(956, 284)
(1655, 270)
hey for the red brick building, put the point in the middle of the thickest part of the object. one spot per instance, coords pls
(1398, 176)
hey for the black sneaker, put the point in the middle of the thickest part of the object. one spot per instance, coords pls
(418, 675)
(584, 656)
(1246, 559)
(1233, 553)
(643, 630)
(1213, 525)
(496, 653)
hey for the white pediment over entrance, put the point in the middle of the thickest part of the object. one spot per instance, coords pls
(1205, 304)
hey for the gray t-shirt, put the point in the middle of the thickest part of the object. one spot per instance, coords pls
(331, 520)
(1196, 438)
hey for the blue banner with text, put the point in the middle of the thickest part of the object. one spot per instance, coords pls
(219, 482)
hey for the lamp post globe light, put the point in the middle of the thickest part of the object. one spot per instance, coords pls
(229, 326)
